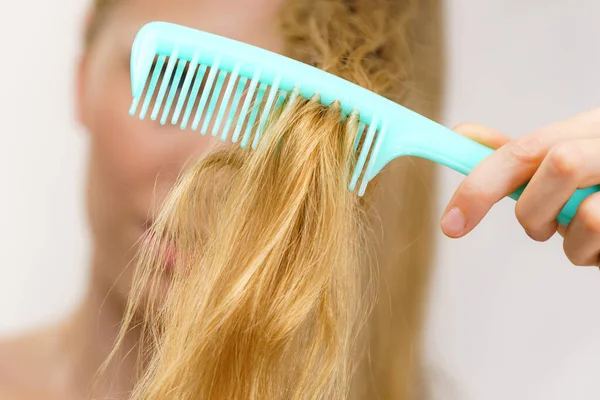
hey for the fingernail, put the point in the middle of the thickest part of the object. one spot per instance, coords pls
(454, 223)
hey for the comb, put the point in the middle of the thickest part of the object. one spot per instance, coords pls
(222, 87)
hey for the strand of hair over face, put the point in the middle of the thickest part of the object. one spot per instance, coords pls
(267, 295)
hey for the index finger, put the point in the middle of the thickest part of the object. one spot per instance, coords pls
(503, 172)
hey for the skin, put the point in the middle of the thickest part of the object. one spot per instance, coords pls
(132, 165)
(556, 160)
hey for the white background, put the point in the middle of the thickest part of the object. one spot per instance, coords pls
(510, 318)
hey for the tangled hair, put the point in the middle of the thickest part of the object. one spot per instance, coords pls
(277, 264)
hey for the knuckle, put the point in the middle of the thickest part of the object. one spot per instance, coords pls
(589, 214)
(565, 160)
(575, 258)
(527, 150)
(573, 253)
(535, 227)
(536, 236)
(541, 234)
(475, 191)
(524, 217)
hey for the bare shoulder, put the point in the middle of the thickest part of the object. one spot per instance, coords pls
(26, 364)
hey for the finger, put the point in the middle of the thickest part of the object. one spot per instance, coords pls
(500, 174)
(509, 168)
(568, 166)
(583, 125)
(482, 134)
(582, 239)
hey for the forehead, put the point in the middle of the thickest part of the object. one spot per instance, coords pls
(250, 21)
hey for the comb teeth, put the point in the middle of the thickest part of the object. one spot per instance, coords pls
(213, 101)
(233, 108)
(165, 83)
(209, 89)
(360, 131)
(197, 89)
(205, 94)
(173, 91)
(364, 152)
(266, 111)
(223, 106)
(246, 106)
(256, 106)
(150, 91)
(372, 159)
(255, 82)
(193, 96)
(186, 86)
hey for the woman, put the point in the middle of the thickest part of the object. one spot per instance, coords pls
(133, 165)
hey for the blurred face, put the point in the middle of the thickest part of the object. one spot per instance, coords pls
(134, 163)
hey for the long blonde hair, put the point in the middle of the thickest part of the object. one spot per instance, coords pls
(278, 264)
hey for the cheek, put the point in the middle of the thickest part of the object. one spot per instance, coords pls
(139, 159)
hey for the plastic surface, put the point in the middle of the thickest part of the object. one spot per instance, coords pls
(393, 130)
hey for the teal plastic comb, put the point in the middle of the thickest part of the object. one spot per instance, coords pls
(211, 75)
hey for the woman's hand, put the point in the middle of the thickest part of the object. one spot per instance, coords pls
(556, 160)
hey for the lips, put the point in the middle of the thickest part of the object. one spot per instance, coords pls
(170, 255)
(169, 248)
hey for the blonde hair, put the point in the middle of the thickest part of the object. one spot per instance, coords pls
(273, 275)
